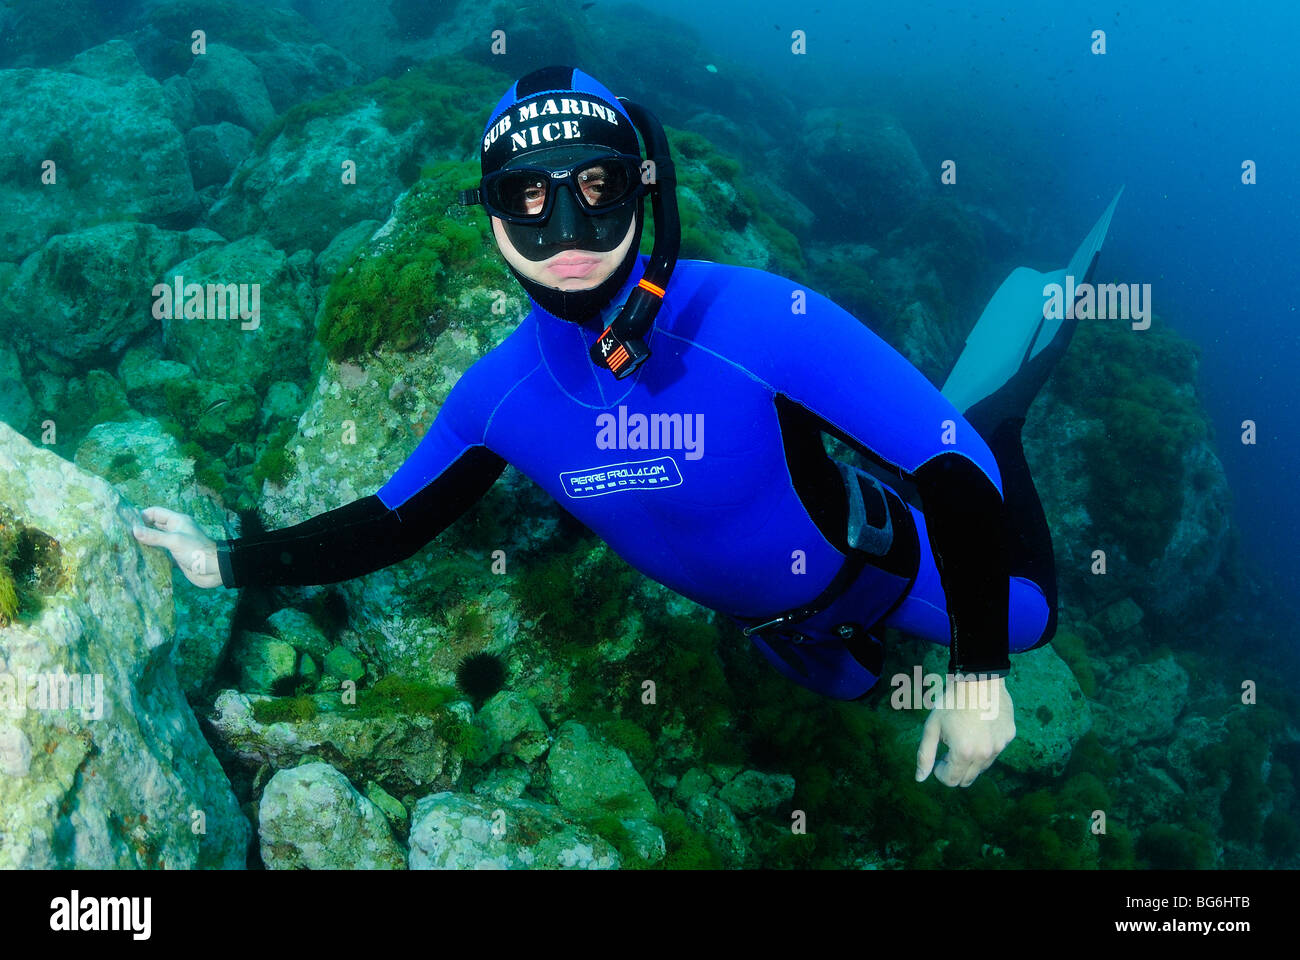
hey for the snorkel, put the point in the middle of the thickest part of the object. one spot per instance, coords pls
(621, 347)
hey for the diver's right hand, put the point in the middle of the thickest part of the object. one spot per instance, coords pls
(192, 550)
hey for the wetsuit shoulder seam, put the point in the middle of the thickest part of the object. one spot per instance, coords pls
(725, 359)
(487, 424)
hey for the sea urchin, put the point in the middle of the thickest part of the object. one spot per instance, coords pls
(481, 675)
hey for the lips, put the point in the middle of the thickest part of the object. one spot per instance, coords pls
(573, 266)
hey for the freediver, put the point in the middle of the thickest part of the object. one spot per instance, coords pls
(812, 557)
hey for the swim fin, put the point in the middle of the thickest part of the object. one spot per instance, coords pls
(1011, 350)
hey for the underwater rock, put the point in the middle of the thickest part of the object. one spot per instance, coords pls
(455, 832)
(274, 289)
(415, 615)
(1059, 465)
(179, 93)
(228, 88)
(339, 252)
(1141, 703)
(263, 662)
(312, 818)
(299, 630)
(1150, 796)
(402, 752)
(122, 777)
(888, 178)
(216, 150)
(293, 190)
(16, 407)
(86, 295)
(299, 72)
(756, 792)
(1118, 618)
(391, 807)
(693, 781)
(503, 783)
(511, 719)
(922, 341)
(646, 839)
(283, 401)
(343, 664)
(145, 375)
(590, 778)
(87, 126)
(146, 465)
(723, 218)
(712, 816)
(1191, 736)
(1200, 541)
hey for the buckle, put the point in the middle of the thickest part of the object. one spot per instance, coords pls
(754, 628)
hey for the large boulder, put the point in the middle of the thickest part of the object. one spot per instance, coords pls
(401, 752)
(86, 295)
(312, 818)
(887, 181)
(454, 832)
(146, 465)
(16, 407)
(228, 88)
(87, 125)
(590, 778)
(295, 191)
(1201, 538)
(1142, 703)
(120, 777)
(216, 150)
(272, 345)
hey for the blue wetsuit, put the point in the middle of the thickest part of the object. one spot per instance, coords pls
(729, 502)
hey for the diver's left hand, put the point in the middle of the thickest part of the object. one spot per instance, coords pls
(976, 733)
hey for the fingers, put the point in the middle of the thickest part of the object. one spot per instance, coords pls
(169, 520)
(960, 768)
(974, 771)
(158, 538)
(952, 769)
(929, 746)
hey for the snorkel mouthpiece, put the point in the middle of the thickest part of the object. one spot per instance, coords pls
(621, 348)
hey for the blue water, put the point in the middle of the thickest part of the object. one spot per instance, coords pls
(1183, 95)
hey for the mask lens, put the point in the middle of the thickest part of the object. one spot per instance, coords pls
(604, 184)
(519, 193)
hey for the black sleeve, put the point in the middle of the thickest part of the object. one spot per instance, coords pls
(966, 525)
(965, 522)
(359, 537)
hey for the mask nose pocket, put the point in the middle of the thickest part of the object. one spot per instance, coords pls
(870, 526)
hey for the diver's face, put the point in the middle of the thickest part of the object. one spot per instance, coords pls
(569, 269)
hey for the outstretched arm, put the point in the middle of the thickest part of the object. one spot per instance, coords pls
(449, 471)
(362, 536)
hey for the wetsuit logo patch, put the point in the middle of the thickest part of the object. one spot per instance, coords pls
(630, 475)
